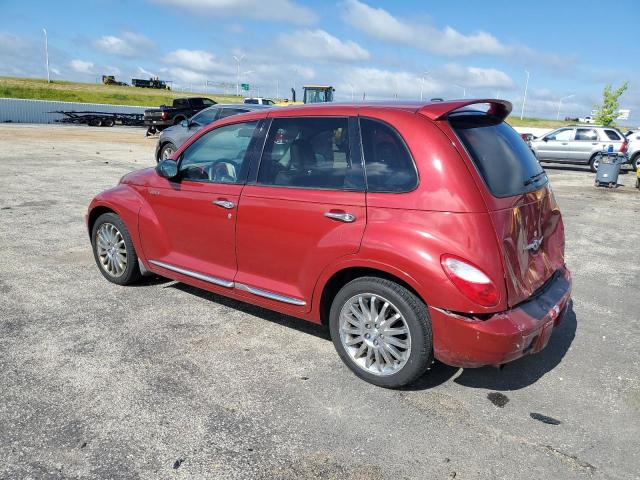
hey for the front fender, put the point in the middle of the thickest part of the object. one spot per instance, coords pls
(126, 202)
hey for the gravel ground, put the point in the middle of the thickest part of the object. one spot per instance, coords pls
(165, 381)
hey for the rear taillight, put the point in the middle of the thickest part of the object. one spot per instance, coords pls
(623, 147)
(472, 282)
(164, 115)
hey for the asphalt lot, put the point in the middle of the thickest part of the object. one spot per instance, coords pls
(165, 381)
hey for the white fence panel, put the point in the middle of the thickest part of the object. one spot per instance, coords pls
(38, 111)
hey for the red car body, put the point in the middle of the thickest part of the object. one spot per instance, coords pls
(276, 249)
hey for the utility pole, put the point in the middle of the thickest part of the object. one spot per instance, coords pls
(560, 104)
(238, 60)
(524, 98)
(46, 53)
(422, 84)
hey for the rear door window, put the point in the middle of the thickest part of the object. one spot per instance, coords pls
(310, 152)
(388, 163)
(586, 134)
(503, 159)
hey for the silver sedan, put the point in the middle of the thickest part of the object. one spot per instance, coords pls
(173, 137)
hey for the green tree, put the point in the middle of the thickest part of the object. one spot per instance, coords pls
(608, 111)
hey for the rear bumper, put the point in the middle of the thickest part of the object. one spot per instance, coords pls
(148, 122)
(463, 341)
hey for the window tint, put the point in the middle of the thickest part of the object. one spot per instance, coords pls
(205, 117)
(251, 101)
(561, 135)
(181, 103)
(310, 153)
(219, 155)
(613, 135)
(227, 112)
(586, 134)
(268, 102)
(388, 163)
(504, 161)
(196, 102)
(207, 102)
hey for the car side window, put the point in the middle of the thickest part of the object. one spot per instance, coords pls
(310, 152)
(561, 135)
(227, 112)
(612, 135)
(586, 134)
(205, 117)
(388, 163)
(207, 102)
(219, 155)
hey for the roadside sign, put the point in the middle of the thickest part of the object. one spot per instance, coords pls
(245, 86)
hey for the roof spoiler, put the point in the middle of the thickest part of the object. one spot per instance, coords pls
(440, 110)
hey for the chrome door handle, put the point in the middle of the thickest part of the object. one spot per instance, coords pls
(224, 204)
(342, 217)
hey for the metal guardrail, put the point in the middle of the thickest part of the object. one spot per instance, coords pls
(17, 110)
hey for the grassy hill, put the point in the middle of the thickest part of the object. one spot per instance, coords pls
(36, 89)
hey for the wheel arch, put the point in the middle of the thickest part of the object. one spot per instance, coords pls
(94, 213)
(342, 276)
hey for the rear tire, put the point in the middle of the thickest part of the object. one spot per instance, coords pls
(593, 163)
(95, 122)
(381, 331)
(113, 250)
(635, 162)
(107, 122)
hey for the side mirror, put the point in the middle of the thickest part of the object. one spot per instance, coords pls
(546, 139)
(185, 123)
(167, 169)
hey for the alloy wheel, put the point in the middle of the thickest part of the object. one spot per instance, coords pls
(375, 334)
(167, 152)
(111, 249)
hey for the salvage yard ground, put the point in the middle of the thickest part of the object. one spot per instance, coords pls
(166, 381)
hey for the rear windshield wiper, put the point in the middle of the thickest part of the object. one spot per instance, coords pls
(533, 178)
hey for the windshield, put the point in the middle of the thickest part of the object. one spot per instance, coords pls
(504, 160)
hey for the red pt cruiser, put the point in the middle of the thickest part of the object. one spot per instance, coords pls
(413, 231)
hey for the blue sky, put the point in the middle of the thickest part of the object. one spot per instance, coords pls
(380, 49)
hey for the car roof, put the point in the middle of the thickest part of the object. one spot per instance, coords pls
(433, 110)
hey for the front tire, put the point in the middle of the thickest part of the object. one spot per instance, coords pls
(635, 162)
(381, 331)
(167, 151)
(113, 250)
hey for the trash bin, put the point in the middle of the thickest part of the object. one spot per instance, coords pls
(609, 169)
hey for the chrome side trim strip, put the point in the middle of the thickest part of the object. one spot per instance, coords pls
(270, 295)
(199, 276)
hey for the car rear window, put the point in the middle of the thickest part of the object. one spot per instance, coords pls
(613, 135)
(503, 159)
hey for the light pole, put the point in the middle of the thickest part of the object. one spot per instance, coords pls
(464, 90)
(238, 60)
(424, 74)
(46, 53)
(524, 98)
(560, 104)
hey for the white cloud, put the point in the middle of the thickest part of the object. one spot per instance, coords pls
(281, 10)
(128, 44)
(185, 76)
(386, 84)
(199, 60)
(380, 24)
(320, 45)
(81, 66)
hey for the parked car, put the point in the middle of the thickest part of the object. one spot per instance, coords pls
(181, 109)
(633, 136)
(577, 144)
(173, 137)
(587, 119)
(412, 232)
(259, 101)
